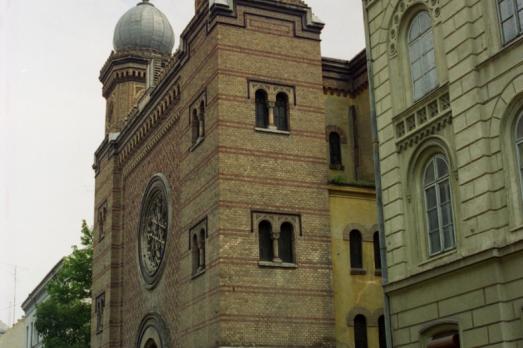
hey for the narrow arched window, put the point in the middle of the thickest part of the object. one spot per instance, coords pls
(195, 253)
(360, 332)
(381, 332)
(195, 126)
(281, 111)
(356, 257)
(377, 255)
(262, 110)
(519, 147)
(201, 124)
(285, 243)
(421, 55)
(438, 205)
(335, 149)
(201, 263)
(265, 235)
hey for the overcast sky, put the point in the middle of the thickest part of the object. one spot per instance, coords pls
(52, 115)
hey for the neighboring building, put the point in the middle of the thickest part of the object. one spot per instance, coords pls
(447, 81)
(13, 337)
(31, 337)
(358, 295)
(213, 209)
(3, 328)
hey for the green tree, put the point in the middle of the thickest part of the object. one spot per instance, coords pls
(64, 318)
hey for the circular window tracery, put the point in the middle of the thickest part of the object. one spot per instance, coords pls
(154, 228)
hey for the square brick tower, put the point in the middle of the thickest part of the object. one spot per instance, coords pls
(212, 211)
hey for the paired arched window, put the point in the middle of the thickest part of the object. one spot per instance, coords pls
(281, 112)
(519, 147)
(360, 331)
(266, 245)
(262, 109)
(422, 57)
(381, 332)
(377, 255)
(438, 205)
(285, 243)
(276, 246)
(356, 253)
(335, 149)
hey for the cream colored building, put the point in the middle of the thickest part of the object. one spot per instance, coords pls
(447, 83)
(14, 337)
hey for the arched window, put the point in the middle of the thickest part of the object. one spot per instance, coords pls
(381, 332)
(201, 256)
(421, 55)
(285, 243)
(519, 147)
(335, 149)
(281, 110)
(201, 124)
(377, 255)
(356, 257)
(151, 344)
(195, 126)
(262, 110)
(265, 231)
(360, 331)
(195, 253)
(438, 205)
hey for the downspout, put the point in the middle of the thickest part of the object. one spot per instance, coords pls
(377, 179)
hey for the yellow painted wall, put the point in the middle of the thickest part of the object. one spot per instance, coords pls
(351, 205)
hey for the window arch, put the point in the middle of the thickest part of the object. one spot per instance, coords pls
(285, 243)
(438, 205)
(519, 147)
(360, 331)
(335, 149)
(381, 332)
(262, 109)
(151, 344)
(281, 111)
(377, 255)
(422, 57)
(266, 245)
(356, 257)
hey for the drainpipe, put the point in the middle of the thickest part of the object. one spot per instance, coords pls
(377, 178)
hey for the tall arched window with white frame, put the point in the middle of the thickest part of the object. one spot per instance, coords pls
(519, 147)
(438, 205)
(422, 57)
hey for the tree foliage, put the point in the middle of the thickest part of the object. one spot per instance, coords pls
(63, 319)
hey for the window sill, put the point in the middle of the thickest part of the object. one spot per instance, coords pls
(357, 271)
(438, 256)
(277, 264)
(198, 273)
(337, 167)
(272, 130)
(196, 144)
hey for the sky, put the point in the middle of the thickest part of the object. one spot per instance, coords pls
(52, 119)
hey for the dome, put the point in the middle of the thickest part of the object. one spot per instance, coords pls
(144, 27)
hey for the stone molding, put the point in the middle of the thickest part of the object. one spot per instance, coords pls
(367, 231)
(153, 327)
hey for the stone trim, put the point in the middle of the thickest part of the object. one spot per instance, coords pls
(402, 7)
(276, 219)
(371, 318)
(153, 327)
(367, 233)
